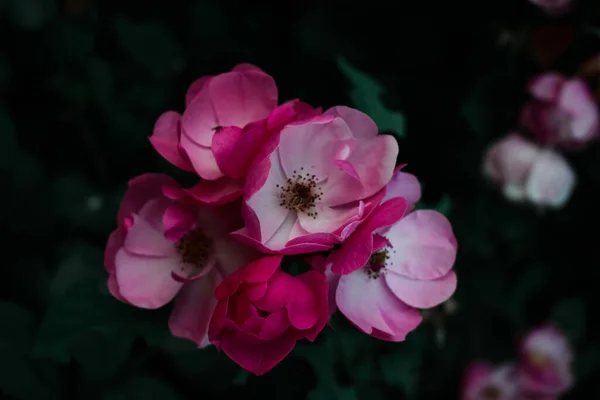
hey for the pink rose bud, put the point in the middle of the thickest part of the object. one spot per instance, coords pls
(554, 7)
(262, 312)
(485, 382)
(167, 245)
(563, 111)
(232, 99)
(545, 368)
(528, 173)
(312, 183)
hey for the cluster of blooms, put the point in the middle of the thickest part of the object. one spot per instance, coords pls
(543, 371)
(563, 113)
(277, 181)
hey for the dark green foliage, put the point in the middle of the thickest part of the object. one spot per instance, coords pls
(81, 84)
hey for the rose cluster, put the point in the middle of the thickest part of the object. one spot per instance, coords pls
(543, 371)
(276, 181)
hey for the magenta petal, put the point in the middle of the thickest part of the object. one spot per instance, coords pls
(422, 293)
(380, 242)
(256, 355)
(346, 166)
(275, 325)
(424, 246)
(279, 290)
(165, 140)
(320, 287)
(177, 221)
(248, 146)
(354, 253)
(140, 190)
(193, 310)
(547, 86)
(113, 244)
(303, 311)
(257, 271)
(223, 143)
(221, 191)
(386, 214)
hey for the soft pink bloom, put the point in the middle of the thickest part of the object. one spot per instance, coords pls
(392, 264)
(545, 363)
(232, 99)
(262, 312)
(554, 7)
(526, 172)
(164, 244)
(485, 382)
(235, 148)
(313, 183)
(563, 111)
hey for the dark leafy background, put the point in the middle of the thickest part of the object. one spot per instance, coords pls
(81, 84)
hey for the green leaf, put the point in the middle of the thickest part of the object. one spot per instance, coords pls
(366, 96)
(569, 316)
(85, 309)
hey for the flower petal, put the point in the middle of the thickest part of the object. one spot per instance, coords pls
(221, 191)
(202, 158)
(404, 185)
(361, 125)
(422, 293)
(547, 86)
(144, 240)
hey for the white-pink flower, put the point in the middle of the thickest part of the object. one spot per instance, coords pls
(545, 368)
(392, 264)
(167, 245)
(485, 382)
(315, 181)
(529, 173)
(563, 111)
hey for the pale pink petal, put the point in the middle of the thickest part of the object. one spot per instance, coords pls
(144, 240)
(199, 120)
(194, 308)
(547, 86)
(196, 87)
(404, 185)
(423, 245)
(202, 158)
(510, 159)
(369, 304)
(347, 167)
(266, 202)
(577, 99)
(421, 293)
(140, 190)
(328, 219)
(551, 180)
(177, 221)
(361, 125)
(373, 161)
(165, 140)
(240, 97)
(311, 148)
(146, 282)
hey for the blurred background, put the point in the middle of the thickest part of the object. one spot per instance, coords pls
(81, 85)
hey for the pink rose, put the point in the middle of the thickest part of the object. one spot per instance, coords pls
(526, 172)
(164, 244)
(485, 382)
(312, 183)
(545, 363)
(563, 111)
(554, 7)
(232, 99)
(262, 312)
(394, 263)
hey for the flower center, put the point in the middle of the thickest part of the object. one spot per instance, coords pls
(376, 264)
(538, 359)
(194, 247)
(300, 193)
(490, 392)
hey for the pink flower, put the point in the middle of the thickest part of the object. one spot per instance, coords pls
(563, 111)
(393, 264)
(545, 363)
(235, 148)
(232, 99)
(262, 312)
(312, 183)
(164, 244)
(526, 172)
(554, 7)
(484, 382)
